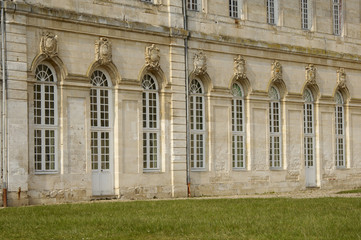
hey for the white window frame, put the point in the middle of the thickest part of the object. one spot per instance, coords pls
(194, 5)
(337, 17)
(275, 124)
(148, 128)
(308, 128)
(272, 12)
(96, 127)
(197, 128)
(340, 154)
(44, 127)
(306, 14)
(235, 8)
(238, 128)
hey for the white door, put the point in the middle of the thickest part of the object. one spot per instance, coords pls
(310, 162)
(102, 165)
(102, 182)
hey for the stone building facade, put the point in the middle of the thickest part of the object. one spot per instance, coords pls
(165, 98)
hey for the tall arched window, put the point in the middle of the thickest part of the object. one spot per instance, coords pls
(308, 129)
(238, 128)
(275, 157)
(100, 121)
(150, 123)
(197, 128)
(340, 131)
(45, 119)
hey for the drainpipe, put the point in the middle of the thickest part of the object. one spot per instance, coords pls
(5, 175)
(185, 25)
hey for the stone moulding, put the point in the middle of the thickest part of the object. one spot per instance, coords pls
(200, 63)
(311, 74)
(276, 72)
(239, 68)
(152, 57)
(341, 78)
(49, 44)
(103, 51)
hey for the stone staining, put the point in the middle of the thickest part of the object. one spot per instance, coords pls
(311, 74)
(200, 63)
(341, 78)
(103, 51)
(152, 57)
(239, 68)
(49, 45)
(276, 72)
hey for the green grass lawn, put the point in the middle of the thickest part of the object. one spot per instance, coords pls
(272, 218)
(357, 190)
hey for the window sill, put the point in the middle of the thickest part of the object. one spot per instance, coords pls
(342, 168)
(239, 169)
(46, 173)
(276, 169)
(198, 169)
(151, 171)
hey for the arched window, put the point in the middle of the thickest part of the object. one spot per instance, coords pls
(308, 129)
(100, 121)
(340, 131)
(45, 119)
(275, 150)
(238, 128)
(197, 128)
(150, 123)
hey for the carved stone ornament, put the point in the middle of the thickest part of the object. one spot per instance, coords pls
(49, 44)
(341, 78)
(276, 71)
(152, 57)
(311, 74)
(200, 63)
(103, 51)
(240, 67)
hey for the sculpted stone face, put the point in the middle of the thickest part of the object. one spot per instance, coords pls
(154, 56)
(49, 44)
(104, 50)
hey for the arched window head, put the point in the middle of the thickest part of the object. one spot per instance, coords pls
(237, 90)
(99, 79)
(149, 83)
(307, 96)
(339, 98)
(273, 94)
(44, 74)
(195, 87)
